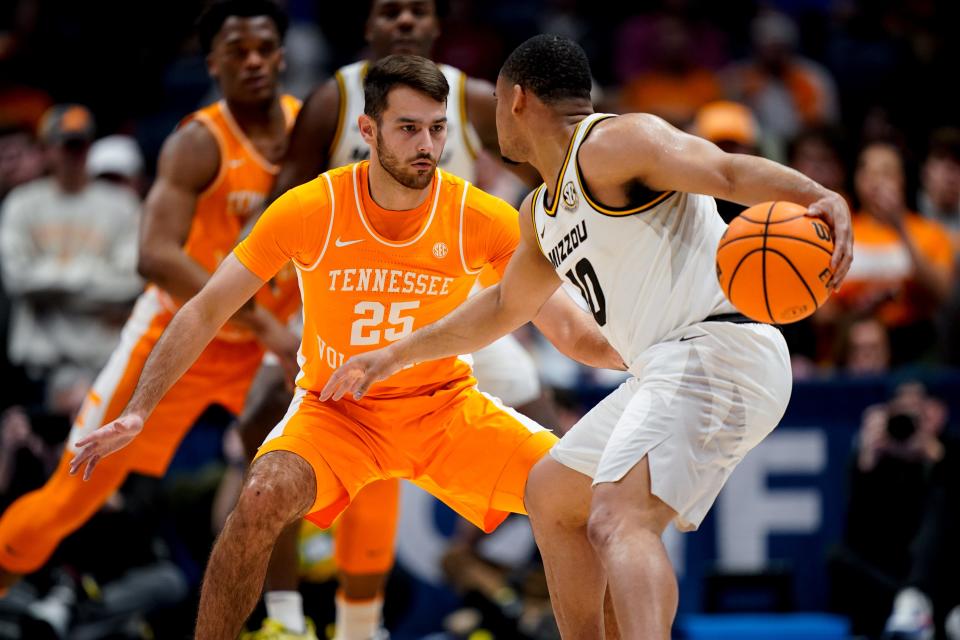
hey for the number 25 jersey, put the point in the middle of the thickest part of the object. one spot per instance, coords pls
(363, 287)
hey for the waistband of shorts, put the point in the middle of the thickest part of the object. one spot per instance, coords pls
(736, 318)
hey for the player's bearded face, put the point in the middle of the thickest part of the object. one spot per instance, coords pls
(413, 170)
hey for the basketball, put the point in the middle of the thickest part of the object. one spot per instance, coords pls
(773, 262)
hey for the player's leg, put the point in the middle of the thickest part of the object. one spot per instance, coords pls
(699, 407)
(558, 501)
(33, 526)
(625, 528)
(266, 404)
(317, 446)
(364, 547)
(280, 489)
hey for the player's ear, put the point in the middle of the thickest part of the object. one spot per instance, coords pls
(283, 60)
(518, 99)
(368, 128)
(212, 67)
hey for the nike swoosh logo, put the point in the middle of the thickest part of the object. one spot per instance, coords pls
(685, 338)
(341, 243)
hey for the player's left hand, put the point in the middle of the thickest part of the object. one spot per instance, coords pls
(833, 210)
(104, 441)
(359, 372)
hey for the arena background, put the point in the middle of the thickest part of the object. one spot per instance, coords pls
(777, 545)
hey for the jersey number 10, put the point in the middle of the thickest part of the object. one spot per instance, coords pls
(588, 283)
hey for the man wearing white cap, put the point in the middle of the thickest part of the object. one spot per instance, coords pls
(117, 159)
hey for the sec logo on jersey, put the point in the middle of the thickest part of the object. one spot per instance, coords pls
(440, 250)
(569, 197)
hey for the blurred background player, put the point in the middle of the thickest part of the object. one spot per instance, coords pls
(327, 135)
(214, 173)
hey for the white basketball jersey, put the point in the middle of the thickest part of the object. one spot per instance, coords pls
(645, 270)
(460, 152)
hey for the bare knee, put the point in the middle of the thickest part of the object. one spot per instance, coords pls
(279, 490)
(557, 495)
(610, 522)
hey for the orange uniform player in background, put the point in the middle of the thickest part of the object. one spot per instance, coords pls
(214, 173)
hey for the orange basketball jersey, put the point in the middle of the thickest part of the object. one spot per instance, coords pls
(237, 192)
(369, 276)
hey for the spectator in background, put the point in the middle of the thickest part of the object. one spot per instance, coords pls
(902, 270)
(865, 348)
(786, 91)
(899, 446)
(732, 127)
(930, 598)
(636, 41)
(729, 125)
(68, 252)
(675, 86)
(21, 159)
(939, 197)
(117, 159)
(819, 153)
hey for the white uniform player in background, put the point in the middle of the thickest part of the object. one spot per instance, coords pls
(620, 217)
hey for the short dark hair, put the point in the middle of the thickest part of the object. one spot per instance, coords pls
(554, 68)
(945, 144)
(211, 20)
(416, 72)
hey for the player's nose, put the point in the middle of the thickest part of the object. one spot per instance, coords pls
(425, 141)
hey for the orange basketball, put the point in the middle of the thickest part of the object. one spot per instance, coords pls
(773, 262)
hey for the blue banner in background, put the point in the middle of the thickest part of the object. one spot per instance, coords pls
(765, 542)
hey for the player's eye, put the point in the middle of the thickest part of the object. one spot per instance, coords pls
(409, 128)
(437, 128)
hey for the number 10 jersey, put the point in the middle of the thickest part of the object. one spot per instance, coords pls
(644, 270)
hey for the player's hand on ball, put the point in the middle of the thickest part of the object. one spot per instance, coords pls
(104, 441)
(359, 372)
(834, 211)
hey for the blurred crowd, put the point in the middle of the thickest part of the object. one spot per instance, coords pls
(852, 93)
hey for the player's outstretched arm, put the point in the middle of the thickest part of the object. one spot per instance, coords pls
(645, 148)
(188, 334)
(527, 284)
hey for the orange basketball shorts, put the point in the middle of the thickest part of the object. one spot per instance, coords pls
(462, 446)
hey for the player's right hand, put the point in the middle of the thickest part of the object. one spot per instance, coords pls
(104, 441)
(359, 372)
(833, 210)
(284, 344)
